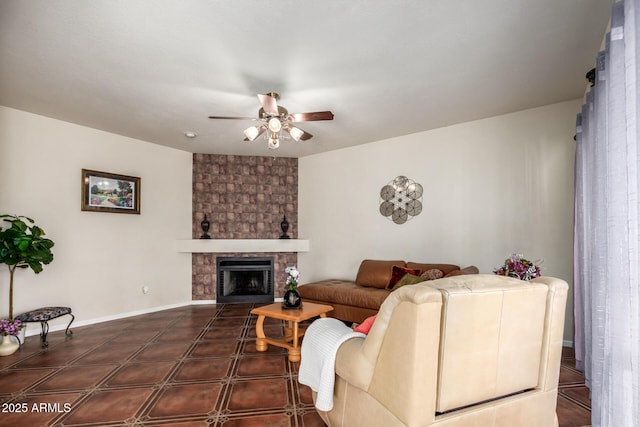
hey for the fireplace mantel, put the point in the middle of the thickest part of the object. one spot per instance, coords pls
(241, 245)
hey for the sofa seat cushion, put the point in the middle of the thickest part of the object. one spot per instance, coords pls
(344, 292)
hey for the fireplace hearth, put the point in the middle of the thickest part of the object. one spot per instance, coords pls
(244, 279)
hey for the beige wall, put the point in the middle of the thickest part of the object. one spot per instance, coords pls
(492, 187)
(102, 260)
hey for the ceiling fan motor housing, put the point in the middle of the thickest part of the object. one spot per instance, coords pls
(282, 112)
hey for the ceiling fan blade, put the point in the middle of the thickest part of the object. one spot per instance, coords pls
(269, 104)
(311, 117)
(232, 118)
(305, 136)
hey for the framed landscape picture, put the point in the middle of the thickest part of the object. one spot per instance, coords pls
(110, 192)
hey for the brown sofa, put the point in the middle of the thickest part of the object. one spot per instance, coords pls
(355, 301)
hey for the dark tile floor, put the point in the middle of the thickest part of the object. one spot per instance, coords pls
(186, 367)
(574, 403)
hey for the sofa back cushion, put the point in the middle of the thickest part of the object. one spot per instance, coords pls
(376, 273)
(445, 268)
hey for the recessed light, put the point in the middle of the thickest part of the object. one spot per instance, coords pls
(190, 134)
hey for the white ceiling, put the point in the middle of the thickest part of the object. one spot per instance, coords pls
(153, 69)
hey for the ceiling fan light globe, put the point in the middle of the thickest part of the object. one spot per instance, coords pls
(296, 133)
(252, 132)
(274, 124)
(273, 143)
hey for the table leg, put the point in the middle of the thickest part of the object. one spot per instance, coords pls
(288, 331)
(68, 332)
(43, 335)
(294, 350)
(261, 342)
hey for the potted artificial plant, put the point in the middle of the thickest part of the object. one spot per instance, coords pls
(292, 297)
(517, 266)
(22, 245)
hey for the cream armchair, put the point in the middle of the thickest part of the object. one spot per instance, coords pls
(476, 350)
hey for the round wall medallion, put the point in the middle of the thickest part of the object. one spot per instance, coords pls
(401, 199)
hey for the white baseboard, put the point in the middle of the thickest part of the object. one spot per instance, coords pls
(212, 301)
(36, 330)
(62, 327)
(203, 302)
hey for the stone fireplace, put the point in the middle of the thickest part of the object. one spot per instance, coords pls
(244, 279)
(244, 197)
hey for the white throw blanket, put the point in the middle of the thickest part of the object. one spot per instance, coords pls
(318, 356)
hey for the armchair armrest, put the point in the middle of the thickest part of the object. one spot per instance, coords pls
(396, 363)
(352, 365)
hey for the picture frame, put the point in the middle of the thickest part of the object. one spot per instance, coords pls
(110, 192)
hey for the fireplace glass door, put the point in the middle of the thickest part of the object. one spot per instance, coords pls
(244, 279)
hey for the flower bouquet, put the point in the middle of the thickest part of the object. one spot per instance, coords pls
(8, 327)
(293, 275)
(292, 297)
(518, 267)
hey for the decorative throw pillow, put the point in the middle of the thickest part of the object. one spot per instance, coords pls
(408, 279)
(398, 273)
(366, 325)
(432, 274)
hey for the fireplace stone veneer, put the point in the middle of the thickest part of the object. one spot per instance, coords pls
(244, 197)
(204, 272)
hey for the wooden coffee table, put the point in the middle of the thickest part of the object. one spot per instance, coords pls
(291, 332)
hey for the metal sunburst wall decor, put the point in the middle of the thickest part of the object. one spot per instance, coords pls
(401, 199)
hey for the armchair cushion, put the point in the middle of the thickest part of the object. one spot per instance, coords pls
(366, 325)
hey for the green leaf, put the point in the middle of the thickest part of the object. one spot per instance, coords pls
(35, 266)
(36, 231)
(18, 224)
(23, 245)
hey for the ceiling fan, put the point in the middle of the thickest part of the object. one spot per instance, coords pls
(275, 119)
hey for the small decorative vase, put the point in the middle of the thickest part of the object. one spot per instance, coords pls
(20, 336)
(8, 347)
(292, 299)
(284, 225)
(205, 224)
